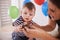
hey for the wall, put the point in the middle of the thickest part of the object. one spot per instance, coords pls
(4, 8)
(0, 20)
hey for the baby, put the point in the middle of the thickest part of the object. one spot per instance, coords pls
(25, 20)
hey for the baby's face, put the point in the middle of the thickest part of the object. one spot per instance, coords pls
(27, 14)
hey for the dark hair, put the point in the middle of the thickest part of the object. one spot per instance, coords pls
(56, 2)
(29, 5)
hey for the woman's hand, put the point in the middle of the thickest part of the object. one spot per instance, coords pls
(35, 32)
(38, 33)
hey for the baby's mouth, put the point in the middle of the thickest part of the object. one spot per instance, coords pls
(26, 18)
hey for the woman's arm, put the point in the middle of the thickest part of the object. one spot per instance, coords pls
(39, 33)
(49, 27)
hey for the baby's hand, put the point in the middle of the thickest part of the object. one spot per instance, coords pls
(19, 28)
(25, 23)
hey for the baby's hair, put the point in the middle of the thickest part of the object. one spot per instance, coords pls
(29, 5)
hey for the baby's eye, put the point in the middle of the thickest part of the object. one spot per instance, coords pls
(30, 14)
(25, 13)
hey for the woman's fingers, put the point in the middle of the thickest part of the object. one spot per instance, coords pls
(31, 32)
(35, 32)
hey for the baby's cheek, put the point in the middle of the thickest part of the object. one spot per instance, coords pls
(30, 18)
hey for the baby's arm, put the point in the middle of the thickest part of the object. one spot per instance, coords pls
(17, 28)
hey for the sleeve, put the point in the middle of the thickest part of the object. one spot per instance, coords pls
(18, 22)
